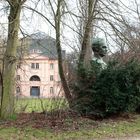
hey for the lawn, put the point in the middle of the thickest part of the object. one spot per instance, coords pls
(87, 129)
(65, 125)
(39, 105)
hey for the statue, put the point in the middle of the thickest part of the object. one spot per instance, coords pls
(99, 48)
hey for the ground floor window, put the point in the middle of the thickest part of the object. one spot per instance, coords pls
(51, 90)
(18, 90)
(35, 91)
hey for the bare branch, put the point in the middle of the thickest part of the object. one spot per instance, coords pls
(42, 15)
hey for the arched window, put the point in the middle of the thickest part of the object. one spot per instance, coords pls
(35, 78)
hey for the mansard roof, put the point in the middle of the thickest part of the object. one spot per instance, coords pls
(40, 43)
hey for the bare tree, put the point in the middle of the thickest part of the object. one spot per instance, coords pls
(10, 58)
(103, 15)
(59, 13)
(87, 9)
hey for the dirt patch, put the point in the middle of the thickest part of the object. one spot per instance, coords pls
(57, 121)
(60, 120)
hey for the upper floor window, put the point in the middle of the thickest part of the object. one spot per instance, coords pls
(32, 65)
(51, 78)
(35, 65)
(51, 66)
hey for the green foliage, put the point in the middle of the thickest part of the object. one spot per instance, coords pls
(83, 88)
(13, 117)
(88, 76)
(110, 91)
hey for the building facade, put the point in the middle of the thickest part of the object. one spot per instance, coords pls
(37, 73)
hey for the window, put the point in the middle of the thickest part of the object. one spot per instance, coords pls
(51, 66)
(18, 90)
(35, 78)
(51, 90)
(35, 51)
(18, 77)
(35, 65)
(18, 66)
(51, 77)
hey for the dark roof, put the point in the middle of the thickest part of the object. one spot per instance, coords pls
(44, 43)
(46, 46)
(41, 42)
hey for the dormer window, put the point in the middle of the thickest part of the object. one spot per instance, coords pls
(38, 51)
(35, 51)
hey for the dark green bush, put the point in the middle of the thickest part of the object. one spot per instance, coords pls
(113, 90)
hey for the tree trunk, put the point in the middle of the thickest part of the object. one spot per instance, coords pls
(1, 86)
(10, 57)
(59, 51)
(86, 51)
(85, 48)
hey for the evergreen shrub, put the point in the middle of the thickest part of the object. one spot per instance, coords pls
(113, 90)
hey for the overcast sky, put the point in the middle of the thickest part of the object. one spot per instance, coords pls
(31, 23)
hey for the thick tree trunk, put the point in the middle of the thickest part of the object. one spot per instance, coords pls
(10, 57)
(59, 51)
(1, 86)
(86, 50)
(85, 54)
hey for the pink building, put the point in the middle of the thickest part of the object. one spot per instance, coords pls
(37, 73)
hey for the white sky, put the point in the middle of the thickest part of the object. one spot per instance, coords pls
(31, 23)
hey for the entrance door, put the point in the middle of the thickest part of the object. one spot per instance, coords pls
(35, 91)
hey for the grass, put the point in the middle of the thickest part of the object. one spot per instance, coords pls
(87, 129)
(105, 129)
(39, 105)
